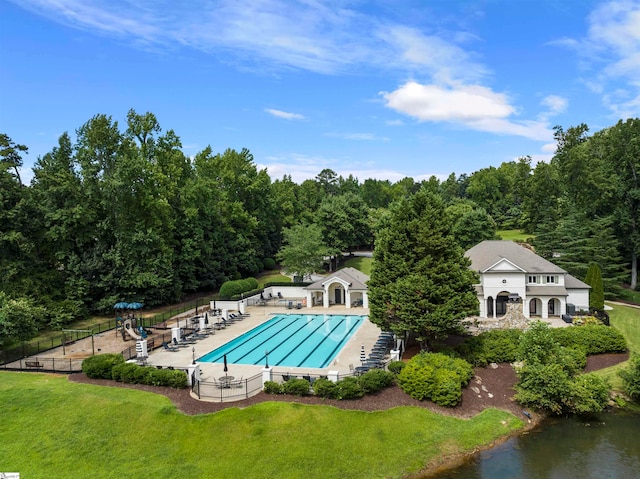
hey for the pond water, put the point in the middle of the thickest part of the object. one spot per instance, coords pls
(605, 447)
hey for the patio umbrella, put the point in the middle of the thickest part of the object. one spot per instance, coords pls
(225, 365)
(135, 305)
(121, 305)
(206, 318)
(363, 355)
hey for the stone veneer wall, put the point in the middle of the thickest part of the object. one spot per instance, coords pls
(514, 317)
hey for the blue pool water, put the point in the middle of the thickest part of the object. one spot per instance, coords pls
(294, 340)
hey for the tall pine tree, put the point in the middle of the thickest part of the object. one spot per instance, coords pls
(420, 281)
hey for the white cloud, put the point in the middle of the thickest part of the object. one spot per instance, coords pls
(442, 60)
(555, 104)
(435, 103)
(395, 123)
(610, 53)
(549, 147)
(284, 114)
(473, 106)
(303, 167)
(322, 37)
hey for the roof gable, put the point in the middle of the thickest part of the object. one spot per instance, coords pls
(356, 280)
(504, 265)
(485, 255)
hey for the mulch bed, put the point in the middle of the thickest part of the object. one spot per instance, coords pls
(491, 387)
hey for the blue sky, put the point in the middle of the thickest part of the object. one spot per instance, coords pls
(376, 89)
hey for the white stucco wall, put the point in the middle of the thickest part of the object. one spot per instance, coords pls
(495, 283)
(579, 297)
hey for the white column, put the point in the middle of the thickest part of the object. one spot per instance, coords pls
(266, 375)
(495, 304)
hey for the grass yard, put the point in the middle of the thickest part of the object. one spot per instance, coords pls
(514, 235)
(626, 320)
(360, 263)
(272, 277)
(54, 428)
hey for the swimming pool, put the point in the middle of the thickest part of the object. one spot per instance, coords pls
(294, 340)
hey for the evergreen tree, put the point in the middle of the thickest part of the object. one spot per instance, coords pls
(594, 279)
(420, 281)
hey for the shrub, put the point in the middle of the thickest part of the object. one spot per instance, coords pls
(544, 386)
(418, 381)
(325, 389)
(116, 371)
(375, 380)
(585, 320)
(396, 366)
(594, 339)
(253, 283)
(499, 346)
(297, 387)
(245, 285)
(349, 388)
(272, 387)
(128, 373)
(177, 379)
(269, 263)
(631, 378)
(230, 288)
(422, 378)
(447, 391)
(100, 366)
(589, 394)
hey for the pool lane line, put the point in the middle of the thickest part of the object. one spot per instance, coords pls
(270, 337)
(339, 346)
(275, 323)
(324, 339)
(300, 343)
(304, 325)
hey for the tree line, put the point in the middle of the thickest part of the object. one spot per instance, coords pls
(123, 214)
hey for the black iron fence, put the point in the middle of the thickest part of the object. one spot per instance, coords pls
(227, 390)
(33, 348)
(54, 365)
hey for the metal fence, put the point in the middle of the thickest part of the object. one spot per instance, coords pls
(227, 391)
(54, 365)
(34, 348)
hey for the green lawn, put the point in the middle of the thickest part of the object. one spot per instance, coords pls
(54, 428)
(360, 263)
(514, 235)
(626, 320)
(272, 277)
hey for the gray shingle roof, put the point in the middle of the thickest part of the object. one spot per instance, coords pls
(546, 291)
(356, 279)
(486, 254)
(571, 282)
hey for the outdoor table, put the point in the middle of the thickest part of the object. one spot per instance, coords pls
(226, 381)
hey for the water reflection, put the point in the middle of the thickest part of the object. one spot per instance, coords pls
(605, 447)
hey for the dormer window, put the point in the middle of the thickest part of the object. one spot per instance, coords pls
(551, 279)
(532, 279)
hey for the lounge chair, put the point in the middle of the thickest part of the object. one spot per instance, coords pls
(166, 347)
(285, 377)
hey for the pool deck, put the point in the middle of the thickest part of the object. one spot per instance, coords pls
(366, 334)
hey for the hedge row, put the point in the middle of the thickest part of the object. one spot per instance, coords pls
(501, 346)
(237, 287)
(348, 388)
(113, 366)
